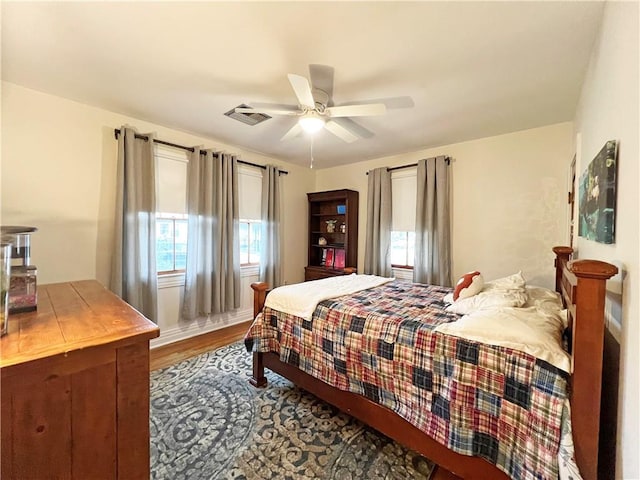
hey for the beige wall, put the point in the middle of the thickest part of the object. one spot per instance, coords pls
(58, 173)
(608, 110)
(508, 198)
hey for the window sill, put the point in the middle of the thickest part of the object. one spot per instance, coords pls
(250, 270)
(403, 273)
(171, 280)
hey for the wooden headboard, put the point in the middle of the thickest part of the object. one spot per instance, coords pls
(582, 284)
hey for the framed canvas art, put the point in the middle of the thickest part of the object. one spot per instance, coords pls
(597, 190)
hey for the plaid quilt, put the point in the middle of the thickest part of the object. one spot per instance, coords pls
(494, 402)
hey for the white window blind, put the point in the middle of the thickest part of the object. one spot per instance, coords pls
(172, 180)
(250, 192)
(403, 200)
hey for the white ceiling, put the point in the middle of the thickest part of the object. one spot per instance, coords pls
(470, 69)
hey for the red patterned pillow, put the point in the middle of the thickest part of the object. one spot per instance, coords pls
(469, 285)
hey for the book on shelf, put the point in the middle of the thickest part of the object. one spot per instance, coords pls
(338, 261)
(328, 261)
(324, 257)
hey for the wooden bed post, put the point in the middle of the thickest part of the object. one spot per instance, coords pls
(588, 346)
(258, 379)
(563, 254)
(260, 290)
(583, 284)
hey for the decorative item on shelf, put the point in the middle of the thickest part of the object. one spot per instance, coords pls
(343, 228)
(328, 261)
(342, 209)
(322, 241)
(331, 226)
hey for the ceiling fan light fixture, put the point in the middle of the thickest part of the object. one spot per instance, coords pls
(311, 122)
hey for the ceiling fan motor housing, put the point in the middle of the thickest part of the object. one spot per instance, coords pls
(321, 99)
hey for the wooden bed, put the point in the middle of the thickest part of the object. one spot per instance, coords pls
(582, 284)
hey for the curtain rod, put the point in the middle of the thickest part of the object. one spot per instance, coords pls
(410, 165)
(191, 149)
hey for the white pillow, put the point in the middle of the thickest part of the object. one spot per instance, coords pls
(512, 282)
(543, 298)
(503, 292)
(546, 300)
(488, 299)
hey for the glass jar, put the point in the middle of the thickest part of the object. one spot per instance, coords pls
(20, 239)
(5, 275)
(23, 289)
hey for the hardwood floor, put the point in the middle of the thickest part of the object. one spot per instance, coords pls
(177, 352)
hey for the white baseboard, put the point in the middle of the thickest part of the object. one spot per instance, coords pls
(200, 326)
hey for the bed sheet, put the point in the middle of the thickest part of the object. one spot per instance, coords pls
(477, 399)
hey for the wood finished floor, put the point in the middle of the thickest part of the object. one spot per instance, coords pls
(177, 352)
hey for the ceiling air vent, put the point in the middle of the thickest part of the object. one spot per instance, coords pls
(248, 118)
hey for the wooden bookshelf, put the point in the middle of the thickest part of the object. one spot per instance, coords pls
(333, 233)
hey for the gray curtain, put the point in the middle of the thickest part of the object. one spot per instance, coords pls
(212, 277)
(133, 274)
(270, 266)
(433, 239)
(377, 258)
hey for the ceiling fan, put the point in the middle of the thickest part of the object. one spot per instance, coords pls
(315, 110)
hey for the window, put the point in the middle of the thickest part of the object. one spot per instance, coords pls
(250, 200)
(250, 242)
(171, 242)
(402, 248)
(403, 217)
(171, 218)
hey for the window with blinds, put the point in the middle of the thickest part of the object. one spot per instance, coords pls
(172, 219)
(171, 215)
(250, 194)
(403, 217)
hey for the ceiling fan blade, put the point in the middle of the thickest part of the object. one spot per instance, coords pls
(357, 110)
(341, 132)
(267, 111)
(389, 102)
(353, 127)
(302, 90)
(293, 132)
(322, 78)
(276, 106)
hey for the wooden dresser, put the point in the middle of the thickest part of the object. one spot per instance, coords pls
(75, 387)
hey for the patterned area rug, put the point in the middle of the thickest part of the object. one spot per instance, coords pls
(208, 422)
